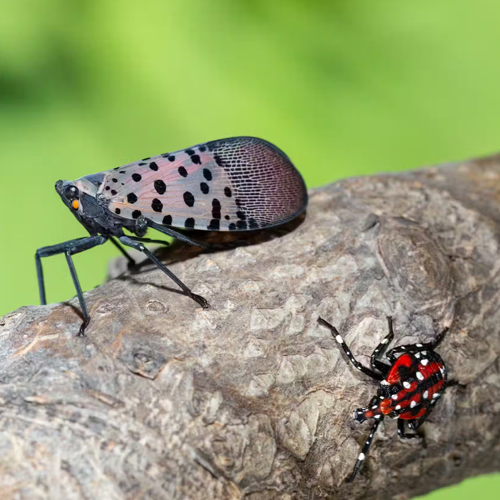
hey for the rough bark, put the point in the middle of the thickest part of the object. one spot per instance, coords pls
(251, 398)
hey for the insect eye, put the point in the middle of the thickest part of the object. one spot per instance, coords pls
(72, 192)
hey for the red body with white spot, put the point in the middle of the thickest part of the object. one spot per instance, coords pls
(409, 387)
(413, 382)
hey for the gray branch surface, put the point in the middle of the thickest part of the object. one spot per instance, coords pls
(251, 398)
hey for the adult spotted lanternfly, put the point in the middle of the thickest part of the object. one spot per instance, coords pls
(236, 184)
(409, 388)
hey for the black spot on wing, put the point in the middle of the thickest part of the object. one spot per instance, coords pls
(153, 166)
(214, 225)
(182, 171)
(137, 177)
(216, 209)
(131, 198)
(207, 174)
(204, 188)
(189, 222)
(188, 199)
(136, 214)
(253, 224)
(167, 220)
(157, 205)
(218, 160)
(196, 159)
(160, 186)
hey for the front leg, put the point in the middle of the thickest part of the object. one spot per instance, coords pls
(336, 335)
(69, 248)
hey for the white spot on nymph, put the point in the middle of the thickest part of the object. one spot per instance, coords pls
(426, 394)
(413, 404)
(374, 406)
(361, 456)
(394, 396)
(417, 355)
(395, 417)
(381, 397)
(384, 382)
(419, 345)
(398, 407)
(420, 376)
(402, 347)
(360, 367)
(377, 416)
(338, 338)
(442, 370)
(436, 395)
(424, 352)
(406, 385)
(385, 341)
(425, 362)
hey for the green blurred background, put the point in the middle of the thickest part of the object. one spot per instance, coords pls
(345, 87)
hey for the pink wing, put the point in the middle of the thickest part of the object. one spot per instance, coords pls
(237, 184)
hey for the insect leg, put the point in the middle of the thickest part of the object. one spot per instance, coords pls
(177, 235)
(346, 349)
(405, 435)
(149, 240)
(131, 261)
(139, 246)
(376, 364)
(364, 451)
(79, 293)
(69, 248)
(429, 346)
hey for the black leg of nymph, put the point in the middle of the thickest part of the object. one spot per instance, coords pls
(352, 359)
(131, 261)
(68, 248)
(364, 451)
(139, 246)
(413, 435)
(429, 346)
(376, 364)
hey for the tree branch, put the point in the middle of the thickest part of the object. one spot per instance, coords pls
(252, 398)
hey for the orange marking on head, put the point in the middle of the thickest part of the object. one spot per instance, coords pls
(75, 204)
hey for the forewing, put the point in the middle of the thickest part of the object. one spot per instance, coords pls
(237, 184)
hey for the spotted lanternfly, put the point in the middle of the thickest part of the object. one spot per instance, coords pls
(409, 387)
(236, 184)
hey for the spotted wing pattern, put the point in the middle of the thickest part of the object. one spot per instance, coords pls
(239, 184)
